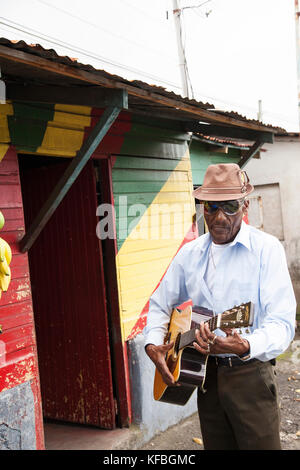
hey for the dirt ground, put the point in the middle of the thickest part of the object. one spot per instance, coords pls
(181, 436)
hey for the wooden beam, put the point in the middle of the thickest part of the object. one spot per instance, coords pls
(250, 153)
(78, 95)
(75, 167)
(96, 78)
(233, 132)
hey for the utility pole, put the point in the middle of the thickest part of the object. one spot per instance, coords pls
(182, 59)
(259, 114)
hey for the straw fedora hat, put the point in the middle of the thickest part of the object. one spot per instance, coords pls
(224, 182)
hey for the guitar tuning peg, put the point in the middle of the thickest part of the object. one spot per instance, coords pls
(248, 331)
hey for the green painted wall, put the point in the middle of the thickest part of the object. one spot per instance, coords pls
(201, 157)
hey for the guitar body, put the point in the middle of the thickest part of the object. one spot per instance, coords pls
(188, 367)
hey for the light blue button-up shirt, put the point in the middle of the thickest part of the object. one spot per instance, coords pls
(252, 268)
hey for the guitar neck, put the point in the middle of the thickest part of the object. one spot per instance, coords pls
(189, 337)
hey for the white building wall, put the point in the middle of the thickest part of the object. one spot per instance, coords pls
(281, 165)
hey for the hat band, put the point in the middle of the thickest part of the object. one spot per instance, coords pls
(235, 189)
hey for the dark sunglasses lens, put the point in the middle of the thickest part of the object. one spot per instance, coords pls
(231, 207)
(211, 207)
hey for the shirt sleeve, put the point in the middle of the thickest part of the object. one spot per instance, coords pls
(276, 322)
(170, 293)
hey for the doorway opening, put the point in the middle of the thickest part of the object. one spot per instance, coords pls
(69, 297)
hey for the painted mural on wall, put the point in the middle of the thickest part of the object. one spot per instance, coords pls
(160, 193)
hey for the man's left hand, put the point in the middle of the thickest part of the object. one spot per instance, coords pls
(209, 343)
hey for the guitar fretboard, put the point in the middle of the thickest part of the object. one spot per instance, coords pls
(189, 337)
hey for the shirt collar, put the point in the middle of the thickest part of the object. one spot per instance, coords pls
(243, 236)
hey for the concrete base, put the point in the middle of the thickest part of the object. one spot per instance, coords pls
(75, 437)
(17, 422)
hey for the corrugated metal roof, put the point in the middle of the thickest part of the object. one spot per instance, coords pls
(218, 140)
(136, 102)
(51, 54)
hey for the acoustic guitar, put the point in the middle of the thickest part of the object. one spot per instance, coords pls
(187, 365)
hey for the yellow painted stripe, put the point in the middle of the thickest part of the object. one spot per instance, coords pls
(141, 263)
(64, 134)
(5, 110)
(3, 150)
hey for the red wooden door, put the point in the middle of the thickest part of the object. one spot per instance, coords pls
(68, 290)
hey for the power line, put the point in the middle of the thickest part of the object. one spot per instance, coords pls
(196, 6)
(111, 33)
(76, 49)
(142, 12)
(283, 117)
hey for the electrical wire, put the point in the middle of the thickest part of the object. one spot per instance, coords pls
(143, 12)
(76, 49)
(282, 117)
(196, 6)
(111, 33)
(37, 34)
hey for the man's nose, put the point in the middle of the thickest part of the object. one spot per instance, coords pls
(220, 215)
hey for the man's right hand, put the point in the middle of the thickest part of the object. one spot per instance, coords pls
(157, 355)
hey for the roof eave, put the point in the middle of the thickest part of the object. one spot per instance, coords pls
(93, 78)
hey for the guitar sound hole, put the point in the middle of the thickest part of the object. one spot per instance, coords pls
(176, 346)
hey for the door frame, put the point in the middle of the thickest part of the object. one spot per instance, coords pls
(119, 350)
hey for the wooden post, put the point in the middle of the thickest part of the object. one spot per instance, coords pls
(250, 153)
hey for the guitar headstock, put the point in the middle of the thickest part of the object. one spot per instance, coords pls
(238, 317)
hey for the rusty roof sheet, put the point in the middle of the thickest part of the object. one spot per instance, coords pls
(51, 55)
(224, 141)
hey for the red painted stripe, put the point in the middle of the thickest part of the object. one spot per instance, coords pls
(16, 373)
(113, 141)
(10, 154)
(18, 357)
(16, 315)
(12, 225)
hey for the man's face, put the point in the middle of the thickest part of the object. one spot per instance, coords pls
(223, 227)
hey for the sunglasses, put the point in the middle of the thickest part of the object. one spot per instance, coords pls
(229, 207)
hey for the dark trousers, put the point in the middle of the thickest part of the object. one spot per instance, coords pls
(240, 410)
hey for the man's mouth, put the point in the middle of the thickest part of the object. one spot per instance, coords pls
(220, 228)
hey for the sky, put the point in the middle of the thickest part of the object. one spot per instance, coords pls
(238, 51)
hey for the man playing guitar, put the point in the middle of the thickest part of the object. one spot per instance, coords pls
(231, 264)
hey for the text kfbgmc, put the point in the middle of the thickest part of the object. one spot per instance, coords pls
(160, 221)
(171, 459)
